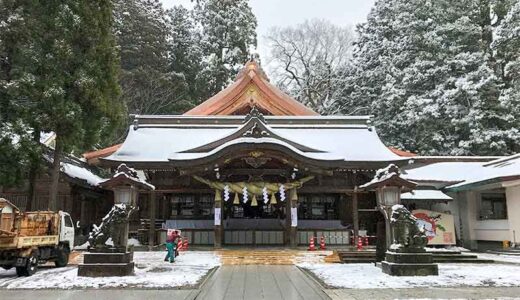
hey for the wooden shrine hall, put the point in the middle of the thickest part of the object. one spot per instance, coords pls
(253, 166)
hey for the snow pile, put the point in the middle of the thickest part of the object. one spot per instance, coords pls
(367, 276)
(150, 272)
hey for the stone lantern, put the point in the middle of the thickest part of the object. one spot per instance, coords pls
(405, 241)
(116, 259)
(388, 186)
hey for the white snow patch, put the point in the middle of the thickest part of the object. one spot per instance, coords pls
(367, 276)
(81, 173)
(503, 258)
(447, 249)
(151, 272)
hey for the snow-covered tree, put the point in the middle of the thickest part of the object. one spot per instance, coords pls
(228, 35)
(507, 46)
(63, 72)
(185, 56)
(424, 69)
(308, 61)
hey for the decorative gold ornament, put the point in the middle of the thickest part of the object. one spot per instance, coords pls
(254, 202)
(256, 153)
(273, 199)
(218, 197)
(294, 195)
(236, 201)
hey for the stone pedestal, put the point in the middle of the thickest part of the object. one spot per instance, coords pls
(109, 263)
(409, 264)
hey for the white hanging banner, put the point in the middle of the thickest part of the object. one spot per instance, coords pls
(217, 216)
(294, 217)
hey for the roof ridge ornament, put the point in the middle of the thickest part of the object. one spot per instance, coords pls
(255, 113)
(256, 132)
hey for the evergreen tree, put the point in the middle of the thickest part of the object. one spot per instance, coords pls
(423, 68)
(142, 36)
(507, 45)
(65, 74)
(227, 38)
(19, 143)
(185, 56)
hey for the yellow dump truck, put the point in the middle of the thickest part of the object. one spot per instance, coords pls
(31, 238)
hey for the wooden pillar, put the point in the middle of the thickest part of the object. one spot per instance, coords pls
(292, 216)
(218, 223)
(151, 232)
(83, 213)
(355, 215)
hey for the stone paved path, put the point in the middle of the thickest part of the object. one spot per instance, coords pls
(427, 293)
(253, 282)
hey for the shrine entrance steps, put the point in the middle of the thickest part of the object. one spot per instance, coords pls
(368, 255)
(271, 256)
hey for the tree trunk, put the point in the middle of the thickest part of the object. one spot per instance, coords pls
(33, 174)
(55, 175)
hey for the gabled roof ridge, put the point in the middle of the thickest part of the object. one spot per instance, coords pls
(501, 160)
(232, 99)
(250, 129)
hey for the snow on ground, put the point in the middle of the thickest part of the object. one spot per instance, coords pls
(501, 258)
(367, 276)
(150, 272)
(447, 249)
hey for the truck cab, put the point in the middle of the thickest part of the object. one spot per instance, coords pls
(66, 230)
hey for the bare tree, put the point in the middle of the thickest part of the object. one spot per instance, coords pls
(309, 61)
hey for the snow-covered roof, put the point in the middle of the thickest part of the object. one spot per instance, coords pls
(73, 167)
(425, 195)
(444, 171)
(127, 176)
(461, 174)
(78, 172)
(173, 138)
(501, 169)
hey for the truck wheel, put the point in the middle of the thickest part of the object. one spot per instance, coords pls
(30, 267)
(62, 258)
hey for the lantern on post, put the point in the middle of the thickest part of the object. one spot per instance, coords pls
(388, 185)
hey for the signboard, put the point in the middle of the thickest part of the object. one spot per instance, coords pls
(440, 228)
(294, 217)
(217, 216)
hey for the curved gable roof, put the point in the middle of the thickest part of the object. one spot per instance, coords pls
(251, 89)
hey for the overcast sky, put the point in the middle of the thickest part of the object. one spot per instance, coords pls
(291, 12)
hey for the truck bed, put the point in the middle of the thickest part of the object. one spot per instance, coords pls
(19, 242)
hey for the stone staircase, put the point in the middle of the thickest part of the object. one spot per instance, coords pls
(510, 251)
(357, 257)
(369, 256)
(458, 257)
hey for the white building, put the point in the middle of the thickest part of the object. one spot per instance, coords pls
(486, 198)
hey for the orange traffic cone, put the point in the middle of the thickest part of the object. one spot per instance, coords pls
(360, 244)
(185, 244)
(366, 240)
(179, 245)
(311, 244)
(322, 243)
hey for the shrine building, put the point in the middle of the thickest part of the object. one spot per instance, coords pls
(253, 166)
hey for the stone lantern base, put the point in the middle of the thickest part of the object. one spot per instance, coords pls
(107, 262)
(409, 264)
